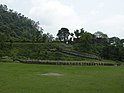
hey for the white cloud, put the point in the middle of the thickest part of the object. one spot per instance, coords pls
(117, 20)
(94, 13)
(54, 14)
(101, 5)
(103, 15)
(114, 25)
(6, 1)
(50, 10)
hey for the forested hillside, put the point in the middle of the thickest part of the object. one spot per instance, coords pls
(16, 27)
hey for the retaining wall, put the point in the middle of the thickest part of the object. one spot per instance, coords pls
(69, 63)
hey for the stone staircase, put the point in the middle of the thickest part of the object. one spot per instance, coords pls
(75, 53)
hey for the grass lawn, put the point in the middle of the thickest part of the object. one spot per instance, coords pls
(28, 78)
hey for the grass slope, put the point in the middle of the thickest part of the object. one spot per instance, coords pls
(25, 78)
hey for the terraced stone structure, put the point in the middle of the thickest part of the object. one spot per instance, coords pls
(69, 63)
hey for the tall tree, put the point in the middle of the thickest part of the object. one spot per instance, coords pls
(122, 42)
(115, 41)
(63, 34)
(101, 38)
(82, 31)
(86, 41)
(72, 36)
(77, 33)
(100, 34)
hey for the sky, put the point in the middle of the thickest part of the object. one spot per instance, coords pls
(106, 16)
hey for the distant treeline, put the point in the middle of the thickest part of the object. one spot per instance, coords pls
(98, 43)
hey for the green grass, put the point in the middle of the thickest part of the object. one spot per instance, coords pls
(27, 78)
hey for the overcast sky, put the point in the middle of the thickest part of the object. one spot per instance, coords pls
(92, 15)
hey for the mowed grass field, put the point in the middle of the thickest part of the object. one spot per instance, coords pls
(28, 78)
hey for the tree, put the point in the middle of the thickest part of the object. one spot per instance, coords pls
(101, 38)
(99, 34)
(110, 52)
(86, 41)
(122, 42)
(3, 39)
(63, 34)
(72, 37)
(50, 37)
(3, 7)
(60, 35)
(18, 27)
(77, 33)
(114, 41)
(44, 38)
(82, 31)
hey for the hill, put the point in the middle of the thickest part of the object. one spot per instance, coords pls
(16, 27)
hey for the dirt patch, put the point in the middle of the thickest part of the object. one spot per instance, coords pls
(52, 74)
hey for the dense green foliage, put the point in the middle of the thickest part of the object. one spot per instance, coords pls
(17, 27)
(97, 43)
(63, 34)
(24, 78)
(23, 37)
(36, 51)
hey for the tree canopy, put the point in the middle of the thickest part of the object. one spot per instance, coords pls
(63, 34)
(16, 26)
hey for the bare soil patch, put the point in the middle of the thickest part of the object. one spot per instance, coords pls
(52, 74)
